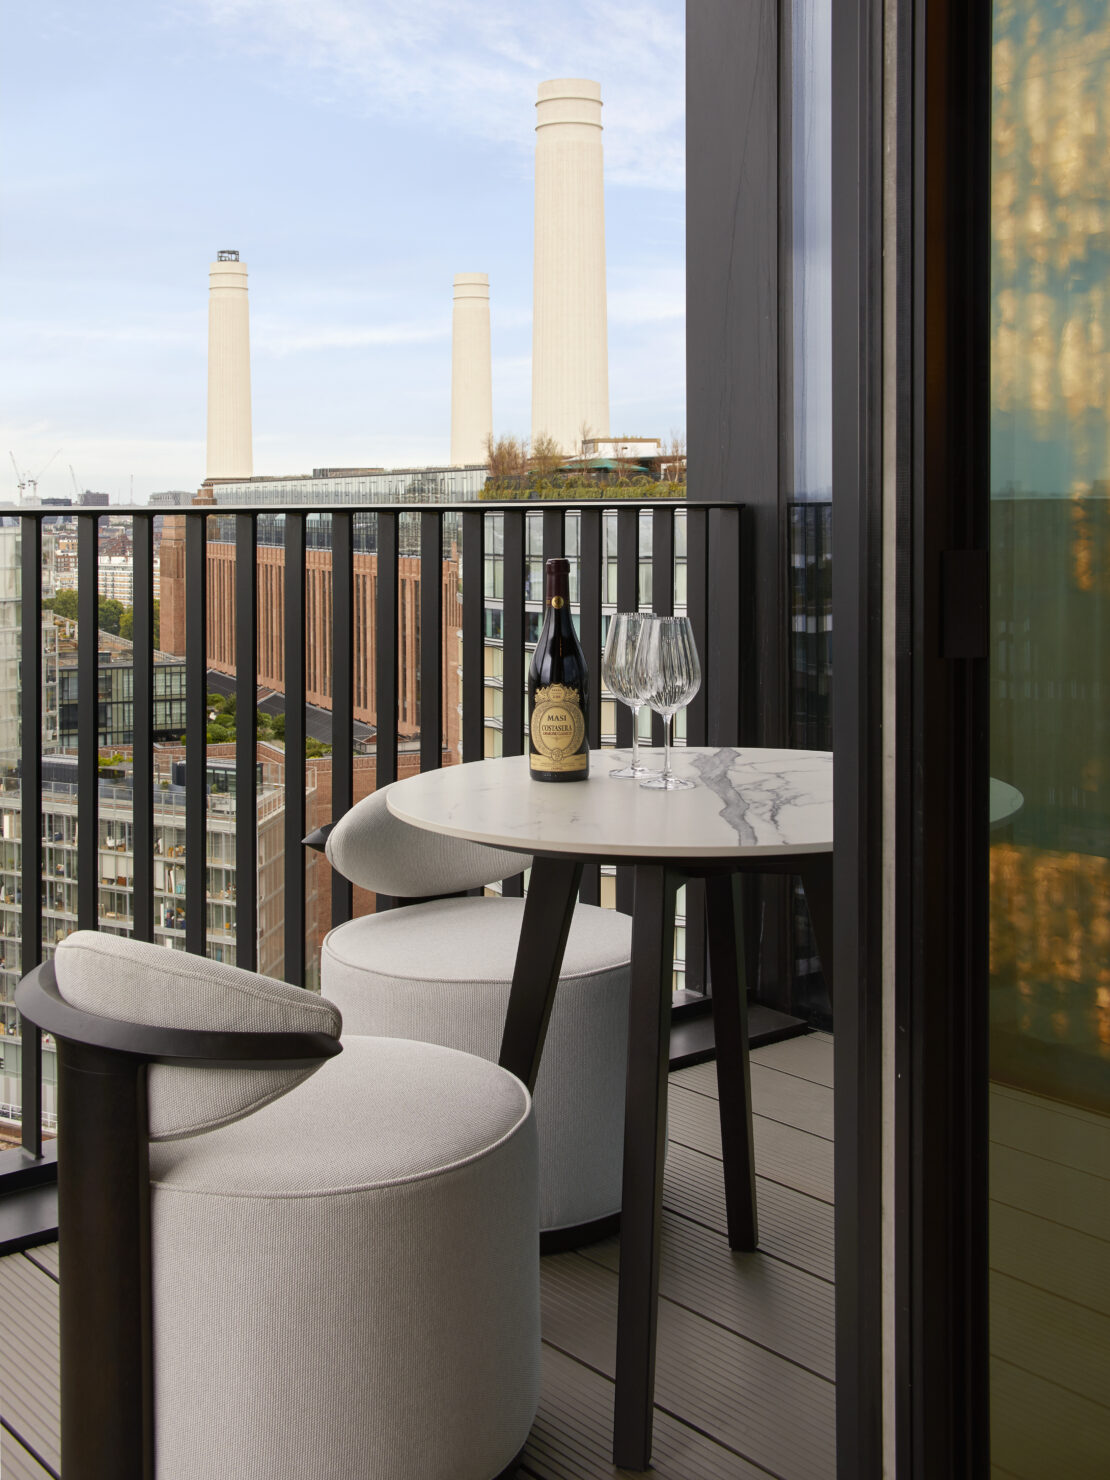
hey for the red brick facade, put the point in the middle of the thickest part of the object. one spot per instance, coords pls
(318, 627)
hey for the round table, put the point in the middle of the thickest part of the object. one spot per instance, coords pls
(752, 810)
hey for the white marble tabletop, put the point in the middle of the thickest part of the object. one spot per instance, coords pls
(746, 802)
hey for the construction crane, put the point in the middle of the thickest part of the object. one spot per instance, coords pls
(76, 490)
(24, 482)
(20, 480)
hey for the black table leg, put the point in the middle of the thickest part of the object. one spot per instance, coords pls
(730, 1027)
(817, 881)
(645, 1130)
(548, 909)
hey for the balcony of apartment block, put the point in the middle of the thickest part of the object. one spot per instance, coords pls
(746, 1373)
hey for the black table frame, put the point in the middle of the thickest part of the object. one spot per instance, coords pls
(548, 910)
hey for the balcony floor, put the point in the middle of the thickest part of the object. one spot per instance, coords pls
(744, 1384)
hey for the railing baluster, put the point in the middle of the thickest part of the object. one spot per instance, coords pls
(196, 734)
(589, 611)
(386, 649)
(512, 635)
(628, 591)
(294, 746)
(628, 600)
(142, 728)
(88, 714)
(30, 529)
(514, 672)
(430, 656)
(473, 651)
(387, 687)
(554, 533)
(697, 609)
(342, 694)
(589, 621)
(246, 743)
(726, 621)
(662, 583)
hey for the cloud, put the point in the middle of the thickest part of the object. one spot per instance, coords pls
(473, 69)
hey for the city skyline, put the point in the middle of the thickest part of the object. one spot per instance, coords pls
(357, 159)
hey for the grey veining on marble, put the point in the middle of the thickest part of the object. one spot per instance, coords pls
(745, 801)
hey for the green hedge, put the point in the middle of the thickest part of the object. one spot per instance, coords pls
(540, 489)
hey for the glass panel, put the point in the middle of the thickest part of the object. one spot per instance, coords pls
(811, 241)
(1050, 677)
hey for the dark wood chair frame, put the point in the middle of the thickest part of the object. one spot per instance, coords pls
(106, 1334)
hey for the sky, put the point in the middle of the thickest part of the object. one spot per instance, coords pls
(358, 154)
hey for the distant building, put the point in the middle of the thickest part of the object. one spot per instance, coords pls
(115, 578)
(323, 486)
(91, 500)
(115, 696)
(116, 867)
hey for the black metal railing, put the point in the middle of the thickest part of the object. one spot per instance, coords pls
(630, 552)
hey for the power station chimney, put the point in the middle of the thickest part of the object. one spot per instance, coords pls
(570, 352)
(229, 370)
(471, 380)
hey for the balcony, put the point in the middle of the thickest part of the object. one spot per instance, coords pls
(746, 1356)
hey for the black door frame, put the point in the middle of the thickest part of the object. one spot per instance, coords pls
(858, 627)
(941, 1130)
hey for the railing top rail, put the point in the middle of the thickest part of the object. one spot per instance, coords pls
(468, 506)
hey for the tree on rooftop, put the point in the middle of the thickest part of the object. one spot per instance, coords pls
(546, 455)
(508, 456)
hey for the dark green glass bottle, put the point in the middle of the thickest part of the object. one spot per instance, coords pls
(558, 689)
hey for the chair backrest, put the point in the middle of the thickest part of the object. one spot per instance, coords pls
(377, 851)
(133, 981)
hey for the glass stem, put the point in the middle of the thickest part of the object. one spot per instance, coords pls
(635, 737)
(668, 721)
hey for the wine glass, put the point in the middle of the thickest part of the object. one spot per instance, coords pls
(667, 675)
(618, 671)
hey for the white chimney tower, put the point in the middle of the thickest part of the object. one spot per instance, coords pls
(471, 377)
(229, 370)
(570, 350)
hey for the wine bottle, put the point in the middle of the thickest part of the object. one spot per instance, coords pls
(558, 689)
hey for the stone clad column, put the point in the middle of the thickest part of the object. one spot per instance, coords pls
(471, 376)
(229, 370)
(570, 351)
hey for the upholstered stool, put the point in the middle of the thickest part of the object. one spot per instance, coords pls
(344, 1277)
(441, 970)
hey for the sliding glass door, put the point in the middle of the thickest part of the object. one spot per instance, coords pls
(1050, 740)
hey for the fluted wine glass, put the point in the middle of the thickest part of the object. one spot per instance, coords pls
(618, 671)
(667, 675)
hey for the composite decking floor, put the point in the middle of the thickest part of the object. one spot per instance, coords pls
(744, 1381)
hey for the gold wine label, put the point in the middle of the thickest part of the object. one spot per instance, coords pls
(557, 602)
(557, 730)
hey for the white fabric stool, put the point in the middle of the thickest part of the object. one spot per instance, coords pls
(345, 1276)
(441, 971)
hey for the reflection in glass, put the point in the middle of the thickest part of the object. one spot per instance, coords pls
(1050, 736)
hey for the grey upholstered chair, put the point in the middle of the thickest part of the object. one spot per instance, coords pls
(440, 971)
(325, 1261)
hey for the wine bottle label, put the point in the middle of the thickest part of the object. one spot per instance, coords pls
(558, 730)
